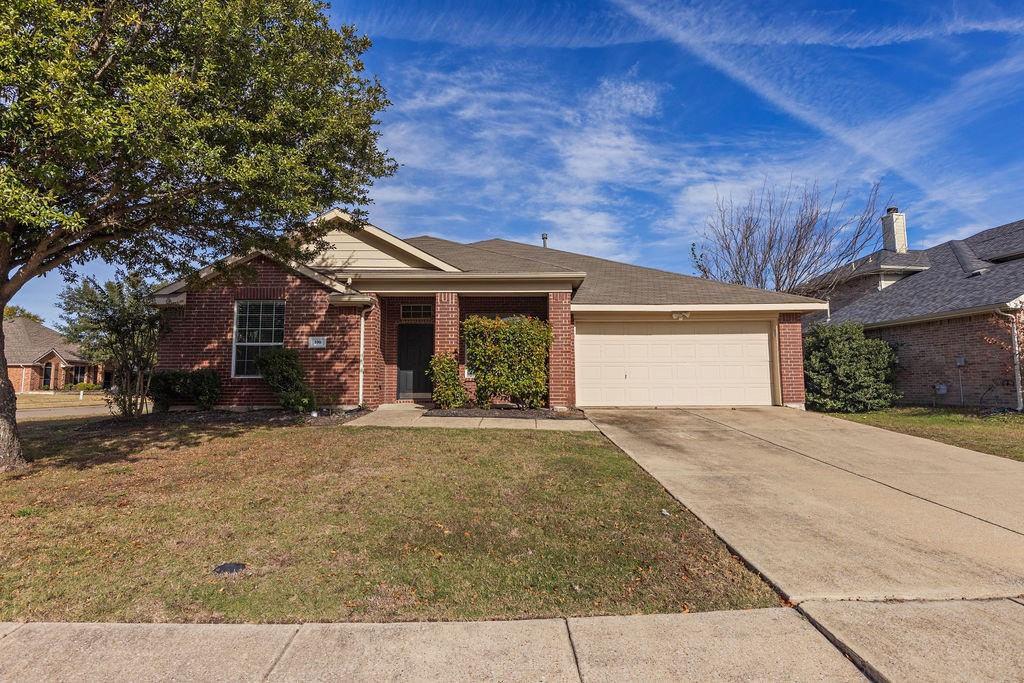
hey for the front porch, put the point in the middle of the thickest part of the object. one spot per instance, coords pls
(413, 328)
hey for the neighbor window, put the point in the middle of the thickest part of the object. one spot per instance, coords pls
(417, 311)
(78, 374)
(259, 325)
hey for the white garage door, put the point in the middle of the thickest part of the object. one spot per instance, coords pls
(673, 363)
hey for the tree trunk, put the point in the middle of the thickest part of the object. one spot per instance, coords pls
(11, 454)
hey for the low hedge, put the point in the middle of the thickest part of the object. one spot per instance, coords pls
(84, 386)
(509, 358)
(183, 387)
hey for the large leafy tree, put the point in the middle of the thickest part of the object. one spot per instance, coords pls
(12, 312)
(159, 134)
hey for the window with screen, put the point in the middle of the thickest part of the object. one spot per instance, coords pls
(259, 325)
(417, 311)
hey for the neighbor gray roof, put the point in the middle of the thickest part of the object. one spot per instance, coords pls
(963, 275)
(606, 282)
(25, 341)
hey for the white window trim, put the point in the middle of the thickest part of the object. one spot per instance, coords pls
(234, 334)
(429, 315)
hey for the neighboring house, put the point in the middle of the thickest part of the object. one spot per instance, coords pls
(369, 313)
(944, 309)
(40, 359)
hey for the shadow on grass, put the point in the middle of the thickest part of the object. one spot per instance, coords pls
(87, 442)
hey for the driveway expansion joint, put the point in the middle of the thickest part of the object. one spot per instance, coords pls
(856, 474)
(572, 645)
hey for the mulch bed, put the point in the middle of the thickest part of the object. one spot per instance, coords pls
(509, 412)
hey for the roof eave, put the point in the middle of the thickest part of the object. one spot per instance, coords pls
(790, 307)
(957, 313)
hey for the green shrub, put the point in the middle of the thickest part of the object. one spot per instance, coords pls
(85, 386)
(204, 388)
(283, 372)
(299, 400)
(181, 387)
(444, 375)
(846, 372)
(167, 388)
(509, 358)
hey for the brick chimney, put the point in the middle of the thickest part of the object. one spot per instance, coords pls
(894, 230)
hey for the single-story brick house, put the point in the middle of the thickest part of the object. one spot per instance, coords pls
(369, 313)
(40, 359)
(945, 309)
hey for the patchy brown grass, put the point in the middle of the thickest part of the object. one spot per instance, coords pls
(116, 522)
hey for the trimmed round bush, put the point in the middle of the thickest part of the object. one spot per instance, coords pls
(284, 373)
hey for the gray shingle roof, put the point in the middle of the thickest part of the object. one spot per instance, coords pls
(25, 341)
(607, 282)
(949, 285)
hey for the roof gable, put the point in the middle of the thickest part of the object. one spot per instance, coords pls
(370, 248)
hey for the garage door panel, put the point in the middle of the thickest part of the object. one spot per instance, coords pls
(673, 363)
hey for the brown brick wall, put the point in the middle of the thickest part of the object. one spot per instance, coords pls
(199, 335)
(30, 377)
(391, 318)
(927, 354)
(25, 377)
(791, 358)
(851, 290)
(562, 364)
(446, 323)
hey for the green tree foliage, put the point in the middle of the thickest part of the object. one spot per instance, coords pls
(283, 372)
(509, 359)
(159, 135)
(847, 372)
(448, 391)
(115, 324)
(11, 312)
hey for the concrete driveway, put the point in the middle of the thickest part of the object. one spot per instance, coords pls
(833, 512)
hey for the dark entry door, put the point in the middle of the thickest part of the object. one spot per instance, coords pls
(415, 346)
(47, 375)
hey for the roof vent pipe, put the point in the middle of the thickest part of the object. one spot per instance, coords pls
(544, 238)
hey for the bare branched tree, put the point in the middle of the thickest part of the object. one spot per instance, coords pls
(792, 239)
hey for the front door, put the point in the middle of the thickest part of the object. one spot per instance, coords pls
(415, 346)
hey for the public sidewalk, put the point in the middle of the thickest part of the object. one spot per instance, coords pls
(765, 644)
(411, 415)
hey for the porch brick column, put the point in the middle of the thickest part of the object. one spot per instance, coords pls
(561, 363)
(446, 323)
(791, 359)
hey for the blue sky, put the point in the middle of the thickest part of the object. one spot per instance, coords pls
(614, 125)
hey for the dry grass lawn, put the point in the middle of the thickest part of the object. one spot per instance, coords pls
(346, 524)
(1001, 435)
(59, 400)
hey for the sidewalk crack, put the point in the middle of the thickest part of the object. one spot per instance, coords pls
(287, 644)
(572, 645)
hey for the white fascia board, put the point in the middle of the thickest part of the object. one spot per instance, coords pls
(684, 308)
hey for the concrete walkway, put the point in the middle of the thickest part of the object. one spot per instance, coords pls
(834, 512)
(768, 644)
(409, 415)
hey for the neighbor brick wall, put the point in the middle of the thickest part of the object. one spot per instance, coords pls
(25, 377)
(791, 358)
(851, 290)
(562, 362)
(199, 335)
(927, 355)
